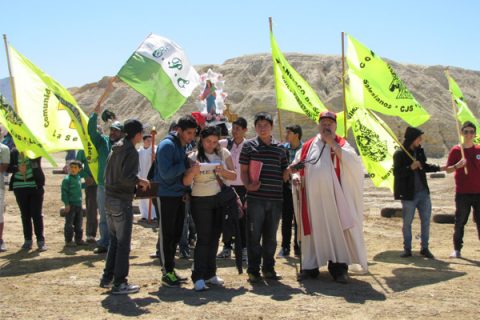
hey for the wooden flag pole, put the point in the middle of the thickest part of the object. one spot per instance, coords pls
(278, 110)
(12, 83)
(454, 108)
(343, 86)
(154, 133)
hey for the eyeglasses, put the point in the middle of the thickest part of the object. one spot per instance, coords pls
(469, 131)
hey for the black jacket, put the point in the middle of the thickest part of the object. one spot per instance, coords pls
(121, 171)
(404, 177)
(37, 171)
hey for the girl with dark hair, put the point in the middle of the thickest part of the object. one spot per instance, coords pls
(211, 166)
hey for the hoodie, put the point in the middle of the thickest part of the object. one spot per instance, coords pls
(170, 165)
(121, 171)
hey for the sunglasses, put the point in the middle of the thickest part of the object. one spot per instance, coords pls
(469, 131)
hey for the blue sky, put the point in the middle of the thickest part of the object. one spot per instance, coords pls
(80, 42)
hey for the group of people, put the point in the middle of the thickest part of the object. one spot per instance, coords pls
(316, 185)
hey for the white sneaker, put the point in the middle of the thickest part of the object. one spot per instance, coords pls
(215, 280)
(200, 285)
(455, 254)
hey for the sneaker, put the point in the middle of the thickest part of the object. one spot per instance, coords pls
(91, 239)
(426, 253)
(406, 254)
(244, 255)
(225, 254)
(180, 278)
(455, 254)
(27, 245)
(284, 252)
(70, 244)
(200, 286)
(271, 275)
(3, 248)
(254, 277)
(125, 288)
(106, 283)
(216, 281)
(343, 279)
(80, 243)
(41, 246)
(170, 280)
(100, 249)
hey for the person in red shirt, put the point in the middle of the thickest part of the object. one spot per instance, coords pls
(467, 184)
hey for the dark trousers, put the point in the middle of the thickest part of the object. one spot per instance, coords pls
(263, 217)
(92, 213)
(119, 214)
(287, 218)
(172, 216)
(464, 203)
(30, 202)
(228, 243)
(73, 224)
(188, 231)
(208, 221)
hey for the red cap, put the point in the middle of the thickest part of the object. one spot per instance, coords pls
(328, 114)
(199, 118)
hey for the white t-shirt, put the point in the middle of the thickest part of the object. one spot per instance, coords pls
(205, 184)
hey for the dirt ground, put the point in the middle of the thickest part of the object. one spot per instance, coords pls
(62, 283)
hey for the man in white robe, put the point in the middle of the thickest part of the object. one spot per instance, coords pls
(145, 159)
(329, 209)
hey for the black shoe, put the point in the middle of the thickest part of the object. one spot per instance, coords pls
(406, 254)
(106, 283)
(284, 252)
(296, 251)
(308, 274)
(343, 278)
(99, 250)
(271, 275)
(426, 253)
(80, 243)
(254, 277)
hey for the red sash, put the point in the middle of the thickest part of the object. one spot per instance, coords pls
(303, 156)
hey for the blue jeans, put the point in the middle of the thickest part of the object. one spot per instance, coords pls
(421, 201)
(120, 221)
(263, 217)
(102, 225)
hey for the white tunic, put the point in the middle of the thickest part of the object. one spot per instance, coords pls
(335, 210)
(145, 162)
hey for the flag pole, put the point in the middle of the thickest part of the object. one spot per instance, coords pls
(343, 87)
(454, 109)
(278, 110)
(394, 137)
(12, 84)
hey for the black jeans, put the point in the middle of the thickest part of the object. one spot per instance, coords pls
(287, 218)
(92, 213)
(73, 224)
(208, 221)
(30, 202)
(263, 217)
(172, 216)
(119, 214)
(464, 203)
(228, 243)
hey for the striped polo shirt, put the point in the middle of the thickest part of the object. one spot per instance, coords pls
(274, 159)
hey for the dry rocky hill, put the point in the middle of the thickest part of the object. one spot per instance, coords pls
(250, 87)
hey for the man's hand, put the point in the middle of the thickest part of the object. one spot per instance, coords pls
(67, 208)
(296, 180)
(253, 186)
(194, 169)
(461, 163)
(416, 165)
(143, 184)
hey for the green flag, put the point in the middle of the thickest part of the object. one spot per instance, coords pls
(25, 141)
(373, 137)
(383, 90)
(160, 71)
(49, 110)
(293, 92)
(463, 111)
